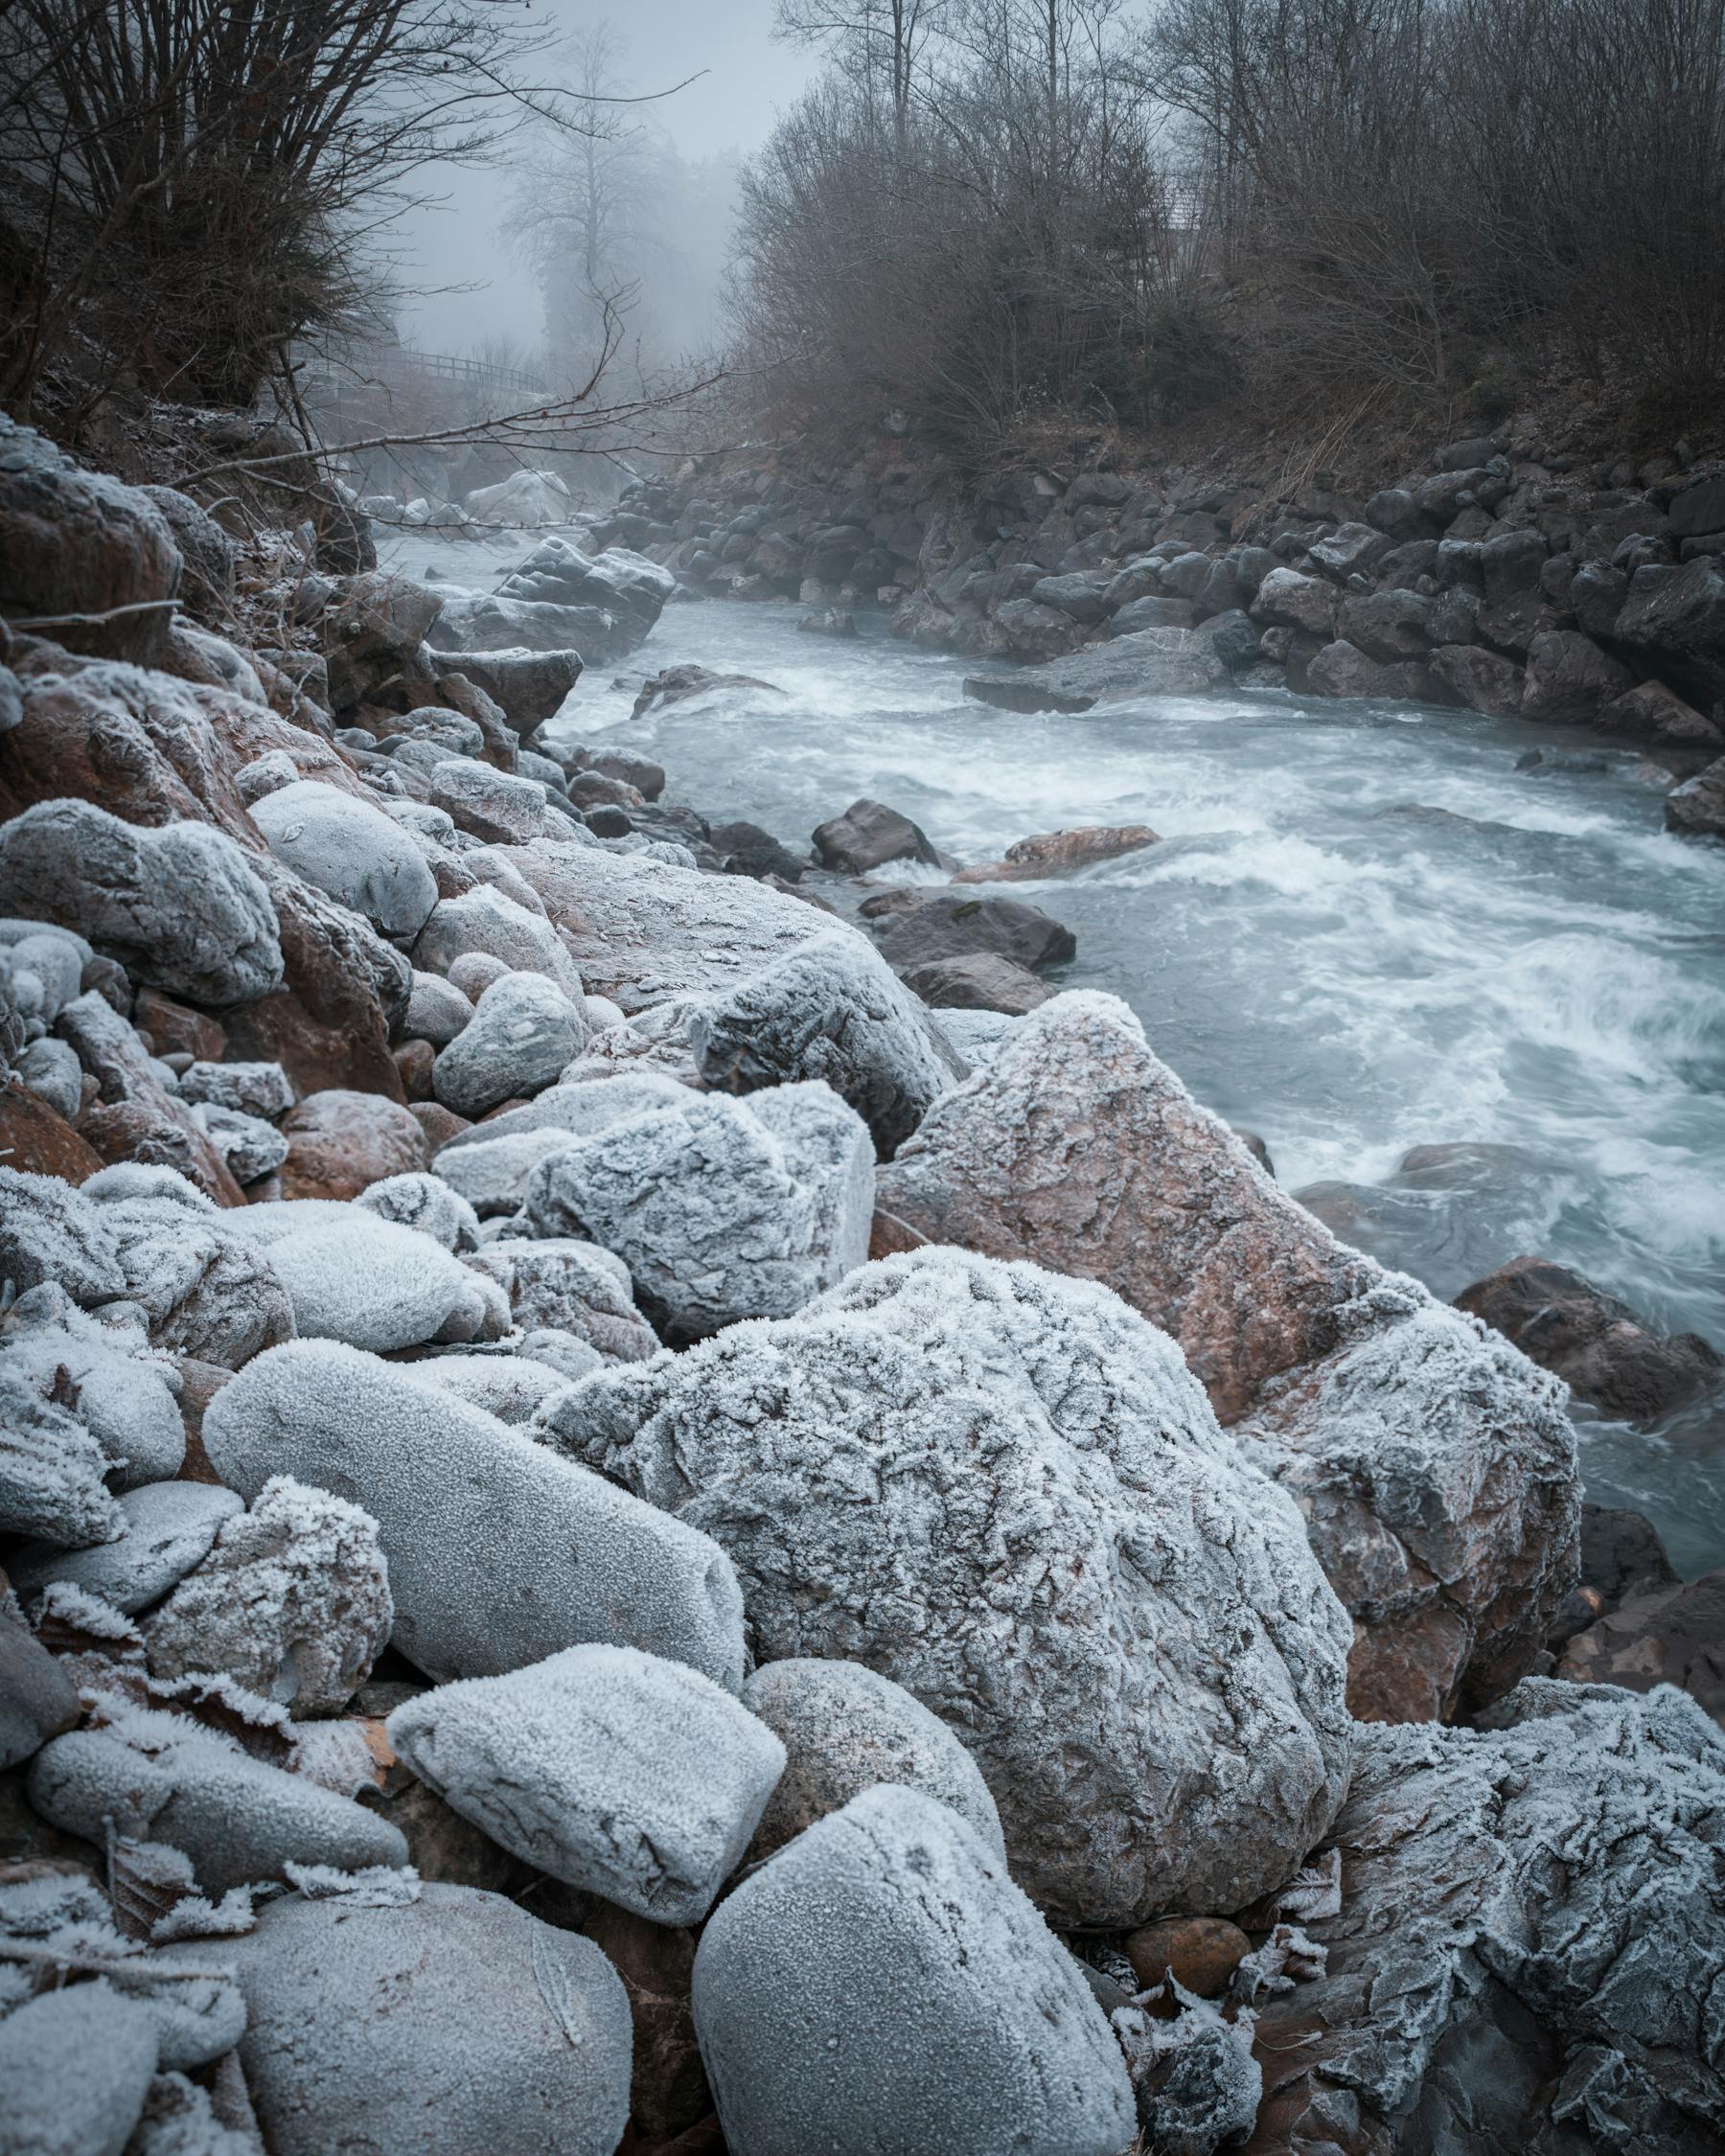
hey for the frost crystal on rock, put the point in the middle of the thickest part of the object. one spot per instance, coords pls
(98, 1370)
(881, 1985)
(569, 1286)
(366, 1279)
(168, 1528)
(207, 1290)
(292, 1602)
(428, 1202)
(1003, 1489)
(637, 1779)
(51, 1231)
(523, 1030)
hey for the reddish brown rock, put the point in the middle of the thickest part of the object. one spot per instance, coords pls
(1060, 853)
(340, 1142)
(1673, 1636)
(1595, 1344)
(1433, 1464)
(200, 1384)
(37, 1141)
(439, 1123)
(134, 1117)
(1203, 1952)
(668, 2092)
(177, 1028)
(413, 1061)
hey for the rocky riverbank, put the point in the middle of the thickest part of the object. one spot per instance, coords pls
(636, 1517)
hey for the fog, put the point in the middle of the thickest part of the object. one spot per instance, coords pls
(466, 279)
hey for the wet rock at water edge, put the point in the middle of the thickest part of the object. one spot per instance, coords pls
(1060, 853)
(870, 835)
(977, 980)
(923, 928)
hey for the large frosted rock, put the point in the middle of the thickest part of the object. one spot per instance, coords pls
(205, 1288)
(168, 1528)
(457, 2024)
(492, 1177)
(493, 805)
(179, 906)
(721, 1209)
(881, 1986)
(75, 2066)
(1527, 1945)
(160, 1777)
(1004, 1490)
(292, 1602)
(522, 1032)
(425, 1203)
(567, 1285)
(500, 1552)
(635, 1778)
(847, 1727)
(769, 989)
(1433, 1463)
(99, 1368)
(51, 1231)
(487, 919)
(361, 857)
(436, 1010)
(376, 1284)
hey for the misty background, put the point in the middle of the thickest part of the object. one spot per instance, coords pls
(478, 266)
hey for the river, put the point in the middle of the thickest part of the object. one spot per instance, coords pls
(1363, 930)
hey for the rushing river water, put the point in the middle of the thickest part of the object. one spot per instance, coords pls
(1363, 930)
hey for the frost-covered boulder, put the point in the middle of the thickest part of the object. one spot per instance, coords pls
(292, 1602)
(486, 919)
(635, 1778)
(425, 1203)
(500, 1552)
(454, 2023)
(50, 1231)
(882, 1985)
(721, 1209)
(250, 1146)
(263, 1090)
(52, 1071)
(436, 1010)
(361, 857)
(162, 1777)
(371, 1282)
(495, 806)
(1056, 1536)
(513, 1387)
(523, 1030)
(1551, 1892)
(179, 905)
(168, 1528)
(847, 1727)
(768, 990)
(204, 1287)
(567, 1285)
(1433, 1464)
(101, 1369)
(492, 1177)
(76, 2065)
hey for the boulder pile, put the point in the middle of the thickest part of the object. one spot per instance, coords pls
(618, 1534)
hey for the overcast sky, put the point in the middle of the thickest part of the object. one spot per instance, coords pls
(747, 79)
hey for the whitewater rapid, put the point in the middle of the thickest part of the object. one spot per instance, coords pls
(1363, 930)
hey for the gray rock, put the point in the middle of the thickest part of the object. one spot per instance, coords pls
(163, 1778)
(571, 1286)
(266, 774)
(721, 1209)
(492, 1174)
(376, 1284)
(513, 1387)
(493, 805)
(1570, 680)
(292, 1602)
(169, 1529)
(570, 1357)
(845, 1728)
(76, 2065)
(425, 1203)
(100, 1371)
(457, 2024)
(485, 920)
(930, 926)
(868, 835)
(1483, 680)
(635, 1778)
(1349, 550)
(361, 857)
(206, 1289)
(53, 1073)
(527, 687)
(523, 1031)
(37, 1698)
(1152, 612)
(436, 1010)
(1696, 809)
(500, 1552)
(1288, 599)
(178, 905)
(250, 1146)
(961, 1394)
(1150, 662)
(51, 1231)
(977, 980)
(881, 1985)
(263, 1090)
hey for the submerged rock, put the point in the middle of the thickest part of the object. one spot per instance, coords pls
(1055, 1534)
(880, 1983)
(1433, 1464)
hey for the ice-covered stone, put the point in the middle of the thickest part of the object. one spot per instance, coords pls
(361, 857)
(292, 1601)
(513, 1388)
(486, 920)
(845, 1727)
(500, 1552)
(37, 1698)
(206, 1289)
(523, 1030)
(569, 1286)
(168, 1528)
(1528, 1938)
(457, 2024)
(99, 1368)
(1004, 1490)
(436, 1010)
(492, 1175)
(635, 1778)
(49, 1231)
(425, 1203)
(263, 1090)
(882, 1985)
(178, 905)
(250, 1146)
(52, 1071)
(161, 1778)
(1434, 1465)
(495, 806)
(76, 2065)
(568, 1354)
(721, 1209)
(371, 1282)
